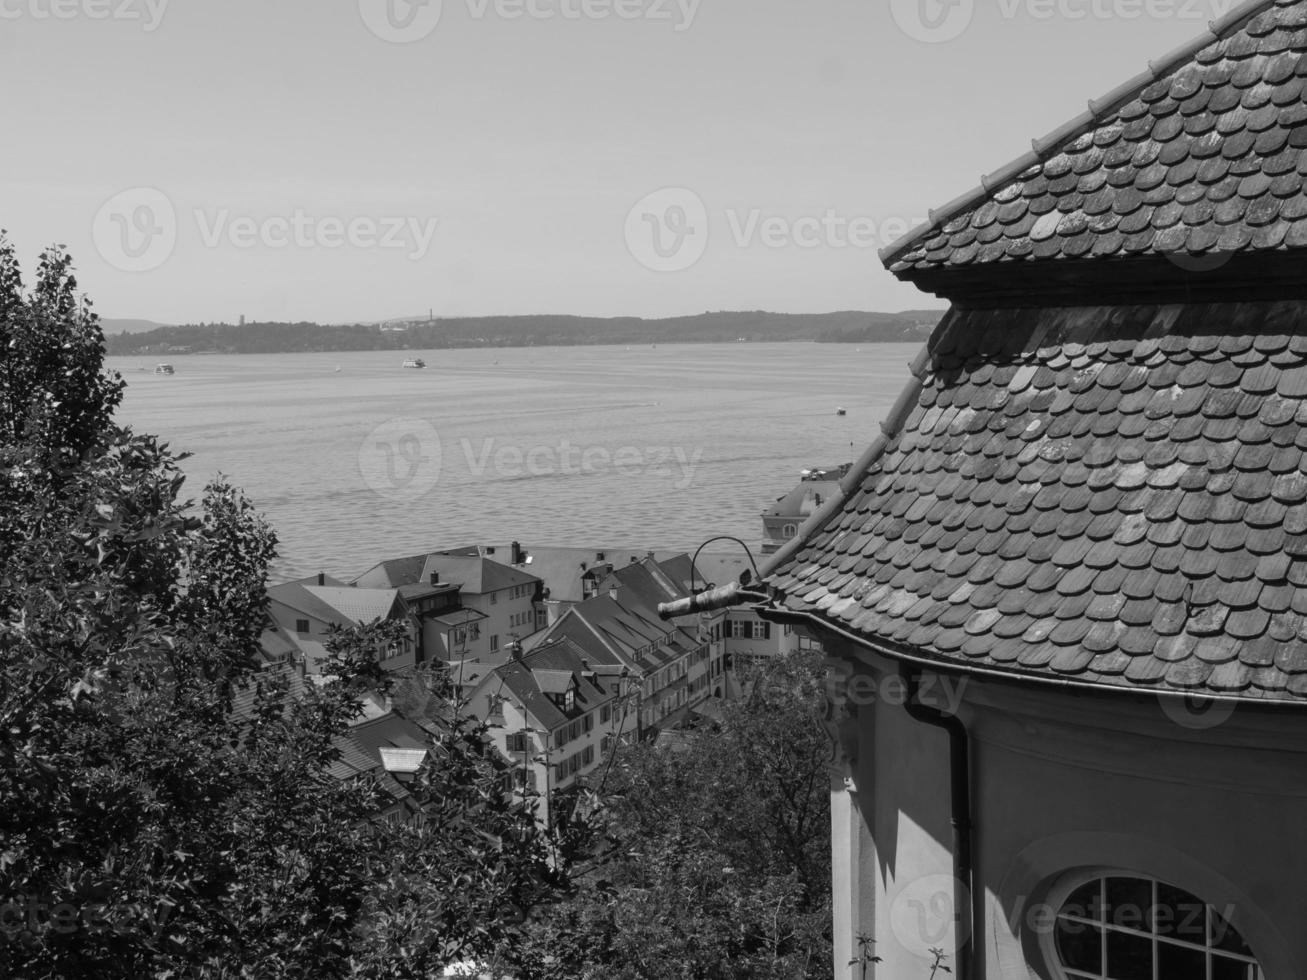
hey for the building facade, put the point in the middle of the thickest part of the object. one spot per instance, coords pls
(1064, 590)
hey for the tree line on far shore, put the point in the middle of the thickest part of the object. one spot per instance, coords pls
(530, 331)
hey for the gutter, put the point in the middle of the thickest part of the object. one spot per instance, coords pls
(1081, 124)
(968, 910)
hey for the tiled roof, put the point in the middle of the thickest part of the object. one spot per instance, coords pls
(360, 606)
(1206, 158)
(558, 658)
(1113, 495)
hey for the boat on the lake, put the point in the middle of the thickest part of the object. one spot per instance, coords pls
(162, 368)
(414, 362)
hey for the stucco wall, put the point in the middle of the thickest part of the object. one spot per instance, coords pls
(1213, 804)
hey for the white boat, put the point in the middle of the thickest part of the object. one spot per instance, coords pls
(414, 362)
(164, 369)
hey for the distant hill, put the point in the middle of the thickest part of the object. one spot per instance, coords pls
(528, 331)
(112, 326)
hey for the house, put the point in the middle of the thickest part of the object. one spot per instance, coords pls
(782, 520)
(304, 612)
(569, 575)
(674, 667)
(552, 712)
(488, 605)
(1065, 591)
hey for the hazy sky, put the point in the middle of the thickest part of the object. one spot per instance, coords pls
(360, 159)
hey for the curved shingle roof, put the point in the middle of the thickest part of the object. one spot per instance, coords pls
(1116, 495)
(1204, 156)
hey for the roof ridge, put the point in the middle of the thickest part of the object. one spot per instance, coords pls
(1098, 108)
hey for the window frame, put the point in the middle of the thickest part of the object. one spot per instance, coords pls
(1071, 882)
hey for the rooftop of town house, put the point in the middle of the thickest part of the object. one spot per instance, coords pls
(564, 570)
(474, 574)
(814, 486)
(552, 668)
(1106, 495)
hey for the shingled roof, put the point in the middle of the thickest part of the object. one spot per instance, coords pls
(1110, 495)
(1202, 154)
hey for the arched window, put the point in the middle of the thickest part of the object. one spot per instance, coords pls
(1124, 927)
(790, 530)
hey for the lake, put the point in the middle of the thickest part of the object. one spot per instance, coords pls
(354, 459)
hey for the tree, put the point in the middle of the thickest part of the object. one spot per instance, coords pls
(715, 861)
(147, 826)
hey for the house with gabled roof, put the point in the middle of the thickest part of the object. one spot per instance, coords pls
(672, 667)
(483, 605)
(1064, 592)
(304, 612)
(554, 715)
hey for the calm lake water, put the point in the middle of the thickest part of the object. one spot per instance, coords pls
(618, 447)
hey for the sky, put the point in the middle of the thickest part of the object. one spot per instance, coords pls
(358, 160)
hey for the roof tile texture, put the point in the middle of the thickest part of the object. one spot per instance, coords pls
(1208, 159)
(1114, 494)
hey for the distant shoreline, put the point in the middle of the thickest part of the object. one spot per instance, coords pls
(521, 332)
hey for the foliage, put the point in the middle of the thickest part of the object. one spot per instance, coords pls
(167, 807)
(715, 862)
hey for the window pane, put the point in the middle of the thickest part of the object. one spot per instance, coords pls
(1129, 903)
(1225, 936)
(1223, 969)
(1130, 957)
(1180, 915)
(1179, 963)
(1085, 902)
(1080, 946)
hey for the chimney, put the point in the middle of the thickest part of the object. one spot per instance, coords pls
(435, 578)
(517, 553)
(515, 649)
(322, 578)
(599, 556)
